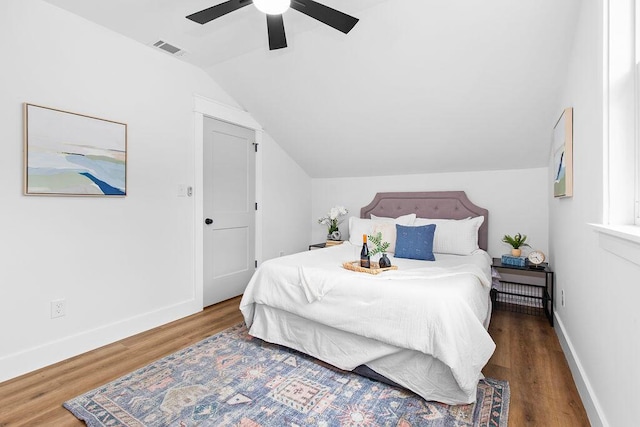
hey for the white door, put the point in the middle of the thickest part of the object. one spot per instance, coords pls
(229, 209)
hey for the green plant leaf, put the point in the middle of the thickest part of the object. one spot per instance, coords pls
(516, 241)
(378, 246)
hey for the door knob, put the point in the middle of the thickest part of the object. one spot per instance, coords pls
(208, 221)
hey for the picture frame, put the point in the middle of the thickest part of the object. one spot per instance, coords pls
(71, 154)
(562, 152)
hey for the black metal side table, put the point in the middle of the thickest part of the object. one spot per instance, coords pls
(525, 297)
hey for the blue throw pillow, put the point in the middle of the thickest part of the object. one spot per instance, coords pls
(415, 242)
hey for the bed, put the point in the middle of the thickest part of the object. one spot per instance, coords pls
(422, 327)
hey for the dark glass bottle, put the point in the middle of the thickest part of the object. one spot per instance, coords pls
(365, 261)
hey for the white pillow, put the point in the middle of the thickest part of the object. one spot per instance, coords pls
(386, 226)
(407, 219)
(454, 236)
(388, 230)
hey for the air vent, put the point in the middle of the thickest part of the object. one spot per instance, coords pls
(173, 50)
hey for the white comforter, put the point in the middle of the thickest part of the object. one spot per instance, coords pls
(437, 308)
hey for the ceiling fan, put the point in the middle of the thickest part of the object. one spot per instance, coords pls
(274, 10)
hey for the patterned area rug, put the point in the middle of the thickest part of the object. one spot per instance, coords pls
(233, 379)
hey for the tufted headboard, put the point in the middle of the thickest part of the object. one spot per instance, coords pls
(429, 204)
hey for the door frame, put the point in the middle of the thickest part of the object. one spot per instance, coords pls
(204, 107)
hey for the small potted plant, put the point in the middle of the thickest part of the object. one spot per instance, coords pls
(516, 243)
(379, 246)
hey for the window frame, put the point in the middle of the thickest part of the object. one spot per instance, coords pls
(621, 166)
(636, 39)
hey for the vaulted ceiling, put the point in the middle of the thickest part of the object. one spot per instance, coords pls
(418, 86)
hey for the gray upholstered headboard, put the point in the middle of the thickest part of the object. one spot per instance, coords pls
(430, 204)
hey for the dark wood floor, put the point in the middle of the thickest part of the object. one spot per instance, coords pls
(528, 355)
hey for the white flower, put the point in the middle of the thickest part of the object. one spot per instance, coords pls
(331, 218)
(333, 213)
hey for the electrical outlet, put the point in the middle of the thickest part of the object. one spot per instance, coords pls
(281, 253)
(562, 297)
(58, 308)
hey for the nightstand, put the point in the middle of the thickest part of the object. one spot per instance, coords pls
(526, 293)
(326, 244)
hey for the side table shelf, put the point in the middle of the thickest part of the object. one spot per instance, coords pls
(326, 244)
(521, 295)
(317, 246)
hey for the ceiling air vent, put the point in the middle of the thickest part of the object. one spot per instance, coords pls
(169, 48)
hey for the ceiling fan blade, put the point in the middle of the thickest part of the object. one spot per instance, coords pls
(217, 11)
(275, 27)
(334, 18)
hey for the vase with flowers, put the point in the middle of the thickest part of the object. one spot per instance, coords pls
(332, 220)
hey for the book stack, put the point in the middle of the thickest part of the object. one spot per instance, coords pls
(333, 243)
(517, 261)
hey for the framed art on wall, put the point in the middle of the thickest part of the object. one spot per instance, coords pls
(563, 155)
(70, 154)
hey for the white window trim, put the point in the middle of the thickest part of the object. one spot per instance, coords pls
(621, 240)
(636, 204)
(620, 231)
(621, 186)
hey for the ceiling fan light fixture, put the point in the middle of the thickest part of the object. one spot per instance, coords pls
(272, 7)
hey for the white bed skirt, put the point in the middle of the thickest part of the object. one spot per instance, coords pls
(421, 373)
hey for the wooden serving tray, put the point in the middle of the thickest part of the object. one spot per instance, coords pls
(375, 267)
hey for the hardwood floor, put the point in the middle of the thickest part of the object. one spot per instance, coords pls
(528, 355)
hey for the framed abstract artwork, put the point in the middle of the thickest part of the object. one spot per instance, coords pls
(69, 154)
(563, 155)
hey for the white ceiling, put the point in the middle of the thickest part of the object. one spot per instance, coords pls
(418, 86)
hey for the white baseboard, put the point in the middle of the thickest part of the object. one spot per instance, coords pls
(589, 398)
(20, 363)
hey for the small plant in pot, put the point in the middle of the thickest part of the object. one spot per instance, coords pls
(380, 246)
(517, 241)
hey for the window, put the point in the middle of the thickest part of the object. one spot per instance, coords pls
(636, 38)
(622, 72)
(620, 231)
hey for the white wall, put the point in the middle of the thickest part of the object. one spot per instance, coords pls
(516, 199)
(599, 324)
(286, 202)
(123, 265)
